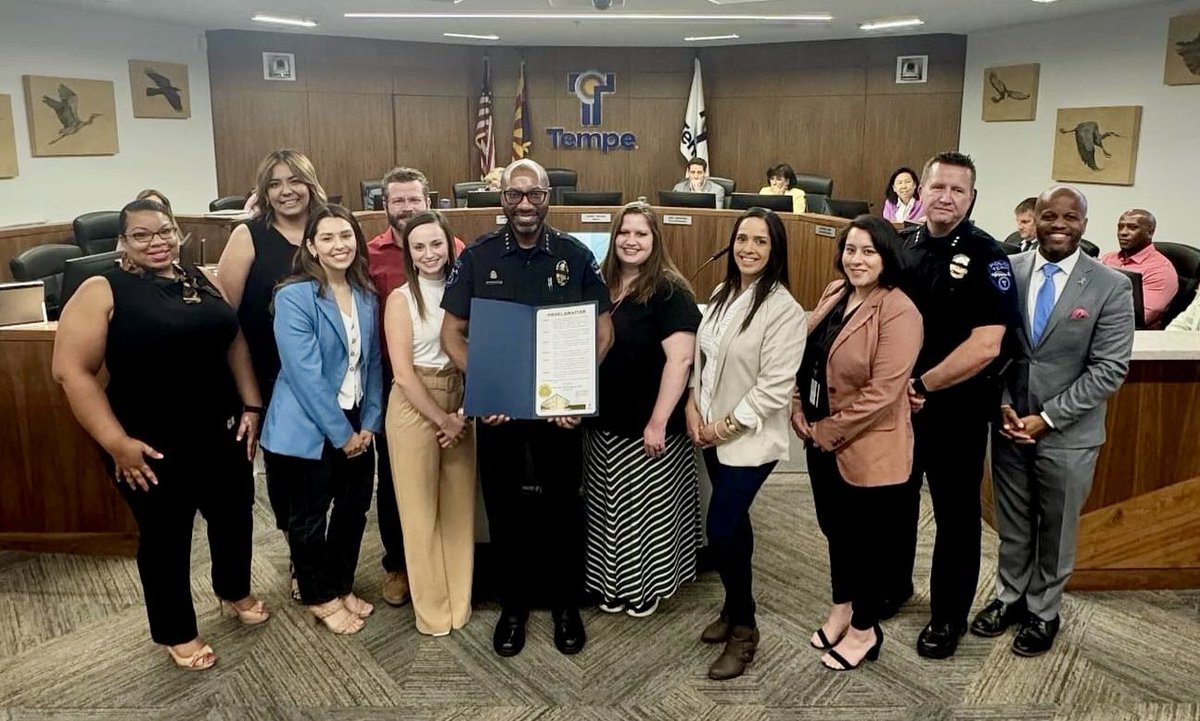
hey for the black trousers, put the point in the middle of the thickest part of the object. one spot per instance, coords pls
(215, 479)
(386, 509)
(531, 471)
(325, 544)
(730, 535)
(950, 445)
(861, 524)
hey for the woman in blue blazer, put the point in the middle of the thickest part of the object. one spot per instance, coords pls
(326, 408)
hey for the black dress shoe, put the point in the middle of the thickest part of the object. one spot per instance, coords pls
(509, 637)
(996, 617)
(1035, 637)
(569, 635)
(939, 640)
(891, 603)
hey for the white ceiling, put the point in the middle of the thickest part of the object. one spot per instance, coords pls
(940, 16)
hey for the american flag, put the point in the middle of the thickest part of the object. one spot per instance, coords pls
(521, 133)
(485, 139)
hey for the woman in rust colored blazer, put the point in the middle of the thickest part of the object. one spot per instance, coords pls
(851, 408)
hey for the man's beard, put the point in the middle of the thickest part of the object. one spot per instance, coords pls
(398, 222)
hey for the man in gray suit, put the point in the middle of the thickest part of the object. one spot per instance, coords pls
(1073, 353)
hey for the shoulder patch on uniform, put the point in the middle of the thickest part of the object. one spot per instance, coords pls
(1001, 275)
(596, 269)
(453, 277)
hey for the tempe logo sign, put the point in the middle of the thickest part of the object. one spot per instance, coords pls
(590, 87)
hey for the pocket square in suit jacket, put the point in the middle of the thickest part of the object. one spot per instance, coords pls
(1079, 314)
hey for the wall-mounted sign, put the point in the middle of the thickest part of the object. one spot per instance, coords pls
(677, 219)
(590, 87)
(595, 218)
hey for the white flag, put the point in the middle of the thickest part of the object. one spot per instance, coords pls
(694, 143)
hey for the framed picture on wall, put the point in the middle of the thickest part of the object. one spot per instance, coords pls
(1183, 51)
(70, 116)
(1010, 92)
(8, 139)
(160, 90)
(912, 68)
(279, 66)
(1097, 145)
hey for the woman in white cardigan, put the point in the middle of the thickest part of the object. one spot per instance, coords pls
(748, 348)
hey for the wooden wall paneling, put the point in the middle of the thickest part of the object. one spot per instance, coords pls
(821, 135)
(947, 63)
(656, 164)
(1160, 529)
(249, 124)
(235, 59)
(15, 240)
(431, 133)
(353, 140)
(906, 131)
(348, 65)
(810, 257)
(431, 70)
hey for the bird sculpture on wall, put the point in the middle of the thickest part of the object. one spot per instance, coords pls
(67, 110)
(1087, 138)
(163, 87)
(1002, 91)
(1189, 51)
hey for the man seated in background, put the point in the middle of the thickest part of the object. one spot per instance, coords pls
(697, 181)
(1025, 236)
(1160, 283)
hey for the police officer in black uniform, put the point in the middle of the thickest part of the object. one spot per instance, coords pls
(529, 262)
(962, 282)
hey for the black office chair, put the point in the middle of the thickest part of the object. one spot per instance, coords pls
(816, 203)
(562, 180)
(845, 208)
(97, 232)
(815, 185)
(483, 199)
(730, 187)
(461, 190)
(1089, 247)
(593, 197)
(45, 263)
(1186, 260)
(229, 202)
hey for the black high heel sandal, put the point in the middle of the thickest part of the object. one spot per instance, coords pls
(825, 640)
(872, 654)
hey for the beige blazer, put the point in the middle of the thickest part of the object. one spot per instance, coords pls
(758, 364)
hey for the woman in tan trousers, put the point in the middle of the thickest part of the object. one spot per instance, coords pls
(433, 445)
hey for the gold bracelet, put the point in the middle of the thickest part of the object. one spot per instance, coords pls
(733, 425)
(716, 429)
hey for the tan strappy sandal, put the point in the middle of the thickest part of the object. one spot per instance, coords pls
(357, 606)
(337, 617)
(201, 660)
(252, 616)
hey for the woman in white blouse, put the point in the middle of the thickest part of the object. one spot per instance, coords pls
(435, 485)
(748, 348)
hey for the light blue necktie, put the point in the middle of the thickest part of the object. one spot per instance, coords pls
(1045, 302)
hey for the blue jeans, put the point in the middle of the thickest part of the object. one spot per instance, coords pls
(729, 533)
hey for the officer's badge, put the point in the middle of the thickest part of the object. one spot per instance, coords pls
(493, 278)
(958, 266)
(561, 273)
(1000, 273)
(492, 275)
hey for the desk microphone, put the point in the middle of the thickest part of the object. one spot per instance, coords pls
(709, 262)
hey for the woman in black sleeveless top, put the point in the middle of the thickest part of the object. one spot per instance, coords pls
(179, 420)
(259, 254)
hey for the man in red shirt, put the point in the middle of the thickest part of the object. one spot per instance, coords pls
(405, 193)
(1160, 282)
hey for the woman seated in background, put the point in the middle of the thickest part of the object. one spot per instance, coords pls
(864, 336)
(903, 204)
(435, 485)
(176, 447)
(640, 487)
(325, 412)
(748, 348)
(781, 180)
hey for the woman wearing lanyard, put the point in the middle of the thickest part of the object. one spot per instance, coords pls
(325, 411)
(852, 411)
(748, 348)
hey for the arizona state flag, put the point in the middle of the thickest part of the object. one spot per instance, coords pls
(521, 135)
(485, 141)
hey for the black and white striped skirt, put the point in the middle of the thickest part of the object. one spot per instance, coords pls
(643, 517)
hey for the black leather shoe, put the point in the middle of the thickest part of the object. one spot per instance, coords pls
(892, 602)
(996, 617)
(1035, 637)
(569, 635)
(509, 637)
(939, 640)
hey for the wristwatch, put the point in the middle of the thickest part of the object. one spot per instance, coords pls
(919, 387)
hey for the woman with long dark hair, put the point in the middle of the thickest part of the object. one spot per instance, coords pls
(640, 487)
(748, 348)
(864, 336)
(325, 412)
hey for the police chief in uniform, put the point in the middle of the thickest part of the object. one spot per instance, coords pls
(962, 282)
(529, 262)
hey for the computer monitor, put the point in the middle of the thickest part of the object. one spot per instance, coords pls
(335, 200)
(370, 189)
(745, 201)
(22, 303)
(77, 270)
(592, 197)
(1139, 298)
(483, 199)
(846, 208)
(686, 199)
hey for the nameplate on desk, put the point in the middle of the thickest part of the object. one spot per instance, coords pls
(677, 219)
(826, 230)
(595, 217)
(501, 219)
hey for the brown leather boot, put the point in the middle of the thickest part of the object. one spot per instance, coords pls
(739, 652)
(717, 631)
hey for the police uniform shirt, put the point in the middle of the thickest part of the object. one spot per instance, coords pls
(960, 282)
(559, 269)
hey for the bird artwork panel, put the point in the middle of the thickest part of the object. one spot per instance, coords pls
(1097, 145)
(160, 89)
(1010, 92)
(8, 139)
(70, 116)
(1183, 51)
